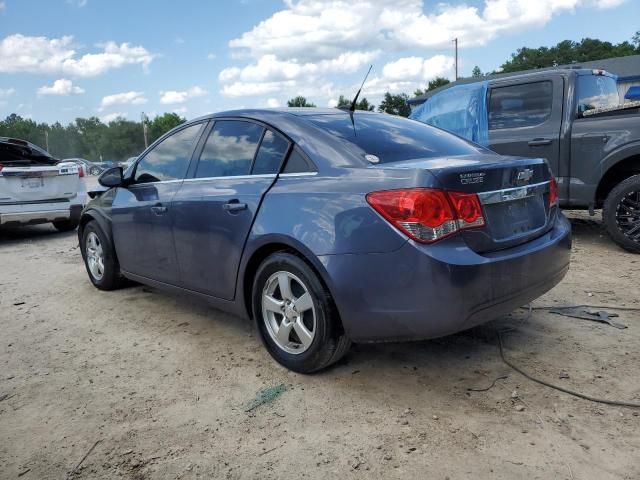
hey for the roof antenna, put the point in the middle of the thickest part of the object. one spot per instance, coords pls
(352, 108)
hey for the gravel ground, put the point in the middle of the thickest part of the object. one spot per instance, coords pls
(163, 384)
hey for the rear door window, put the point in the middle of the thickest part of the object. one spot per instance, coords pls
(272, 150)
(230, 149)
(169, 160)
(523, 105)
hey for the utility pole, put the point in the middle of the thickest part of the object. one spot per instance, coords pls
(46, 139)
(455, 41)
(144, 120)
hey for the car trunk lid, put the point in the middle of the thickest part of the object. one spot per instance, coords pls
(514, 193)
(22, 183)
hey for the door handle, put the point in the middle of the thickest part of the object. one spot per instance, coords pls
(159, 209)
(536, 142)
(234, 206)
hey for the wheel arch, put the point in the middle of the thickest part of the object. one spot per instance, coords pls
(263, 249)
(616, 173)
(104, 224)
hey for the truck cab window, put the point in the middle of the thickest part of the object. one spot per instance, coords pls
(523, 105)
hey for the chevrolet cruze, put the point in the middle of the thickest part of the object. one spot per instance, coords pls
(327, 227)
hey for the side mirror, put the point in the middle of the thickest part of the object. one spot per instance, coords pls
(112, 177)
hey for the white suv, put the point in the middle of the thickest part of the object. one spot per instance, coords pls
(37, 188)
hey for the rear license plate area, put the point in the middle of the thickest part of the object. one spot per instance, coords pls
(30, 183)
(517, 217)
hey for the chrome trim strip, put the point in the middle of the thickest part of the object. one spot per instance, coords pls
(510, 194)
(299, 174)
(234, 177)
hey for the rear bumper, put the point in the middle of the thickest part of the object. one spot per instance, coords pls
(31, 214)
(421, 291)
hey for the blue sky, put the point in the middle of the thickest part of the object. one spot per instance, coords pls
(60, 59)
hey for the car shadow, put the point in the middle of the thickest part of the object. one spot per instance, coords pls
(10, 235)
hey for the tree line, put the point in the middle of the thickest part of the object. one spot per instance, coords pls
(90, 138)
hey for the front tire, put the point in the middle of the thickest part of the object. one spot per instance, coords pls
(99, 258)
(621, 214)
(296, 316)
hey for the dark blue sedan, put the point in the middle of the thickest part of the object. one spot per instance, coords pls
(327, 227)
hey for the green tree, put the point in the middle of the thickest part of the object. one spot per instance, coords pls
(88, 137)
(162, 124)
(437, 83)
(476, 72)
(395, 104)
(568, 52)
(361, 105)
(299, 101)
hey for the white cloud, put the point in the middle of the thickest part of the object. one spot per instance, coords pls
(60, 87)
(314, 30)
(211, 56)
(173, 96)
(110, 117)
(418, 68)
(7, 92)
(24, 54)
(308, 42)
(125, 98)
(273, 103)
(3, 6)
(78, 3)
(180, 110)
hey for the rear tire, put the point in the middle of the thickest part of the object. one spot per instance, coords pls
(66, 225)
(303, 309)
(100, 259)
(621, 214)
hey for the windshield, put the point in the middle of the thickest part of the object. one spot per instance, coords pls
(597, 91)
(384, 138)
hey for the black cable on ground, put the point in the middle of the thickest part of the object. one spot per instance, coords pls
(489, 387)
(557, 387)
(610, 307)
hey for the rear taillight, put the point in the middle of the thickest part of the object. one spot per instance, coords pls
(80, 171)
(426, 214)
(1, 167)
(553, 191)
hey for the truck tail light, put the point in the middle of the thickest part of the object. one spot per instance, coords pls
(427, 214)
(553, 191)
(80, 171)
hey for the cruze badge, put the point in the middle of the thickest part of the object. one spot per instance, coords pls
(471, 178)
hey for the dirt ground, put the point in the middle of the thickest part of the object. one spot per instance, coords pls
(163, 383)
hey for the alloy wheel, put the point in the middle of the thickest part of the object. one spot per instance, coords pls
(628, 216)
(95, 256)
(288, 312)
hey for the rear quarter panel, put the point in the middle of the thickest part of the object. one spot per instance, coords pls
(329, 215)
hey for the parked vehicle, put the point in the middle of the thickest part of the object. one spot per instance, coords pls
(575, 119)
(89, 167)
(37, 188)
(328, 227)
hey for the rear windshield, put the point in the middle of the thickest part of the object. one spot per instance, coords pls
(597, 91)
(386, 138)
